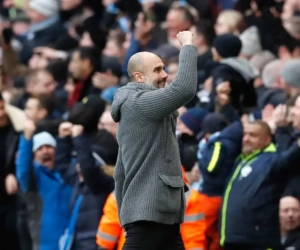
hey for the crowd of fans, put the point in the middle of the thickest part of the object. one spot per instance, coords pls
(62, 62)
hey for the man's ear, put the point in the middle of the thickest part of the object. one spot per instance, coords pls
(139, 77)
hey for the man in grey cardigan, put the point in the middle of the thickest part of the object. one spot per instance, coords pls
(148, 178)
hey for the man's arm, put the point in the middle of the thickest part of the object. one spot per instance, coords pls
(162, 102)
(93, 175)
(24, 163)
(63, 154)
(24, 166)
(287, 160)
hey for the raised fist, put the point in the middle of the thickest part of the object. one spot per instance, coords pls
(77, 130)
(11, 184)
(29, 129)
(185, 38)
(65, 129)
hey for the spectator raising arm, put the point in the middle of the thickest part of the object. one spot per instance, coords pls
(93, 175)
(24, 159)
(63, 157)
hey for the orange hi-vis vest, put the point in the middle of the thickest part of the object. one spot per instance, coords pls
(193, 228)
(110, 234)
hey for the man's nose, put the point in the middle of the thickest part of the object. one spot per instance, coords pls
(246, 138)
(165, 75)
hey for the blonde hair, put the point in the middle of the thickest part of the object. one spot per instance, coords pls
(233, 19)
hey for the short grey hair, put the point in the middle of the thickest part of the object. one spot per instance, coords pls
(261, 59)
(271, 72)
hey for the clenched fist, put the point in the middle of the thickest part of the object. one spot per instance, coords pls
(185, 38)
(77, 130)
(11, 184)
(29, 129)
(65, 129)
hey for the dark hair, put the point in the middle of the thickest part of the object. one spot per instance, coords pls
(45, 102)
(59, 69)
(90, 53)
(186, 13)
(98, 33)
(205, 29)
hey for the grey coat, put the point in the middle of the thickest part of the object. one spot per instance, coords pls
(148, 175)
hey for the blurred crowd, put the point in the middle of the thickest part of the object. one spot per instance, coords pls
(62, 62)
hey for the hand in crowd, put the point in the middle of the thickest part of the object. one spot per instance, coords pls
(208, 84)
(29, 129)
(185, 38)
(65, 129)
(268, 117)
(68, 129)
(195, 174)
(48, 52)
(11, 184)
(143, 28)
(280, 115)
(223, 91)
(77, 130)
(100, 81)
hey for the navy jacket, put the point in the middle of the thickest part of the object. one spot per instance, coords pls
(47, 198)
(218, 159)
(249, 214)
(95, 188)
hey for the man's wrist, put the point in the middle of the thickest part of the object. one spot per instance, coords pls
(61, 54)
(186, 44)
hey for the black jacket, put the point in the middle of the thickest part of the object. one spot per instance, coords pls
(249, 213)
(95, 188)
(17, 119)
(240, 75)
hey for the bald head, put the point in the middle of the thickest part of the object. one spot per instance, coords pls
(146, 67)
(136, 63)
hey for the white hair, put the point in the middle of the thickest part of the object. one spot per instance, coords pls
(271, 73)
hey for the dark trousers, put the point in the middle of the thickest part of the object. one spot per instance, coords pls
(8, 231)
(146, 235)
(243, 247)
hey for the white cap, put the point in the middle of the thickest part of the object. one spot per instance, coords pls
(43, 139)
(45, 7)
